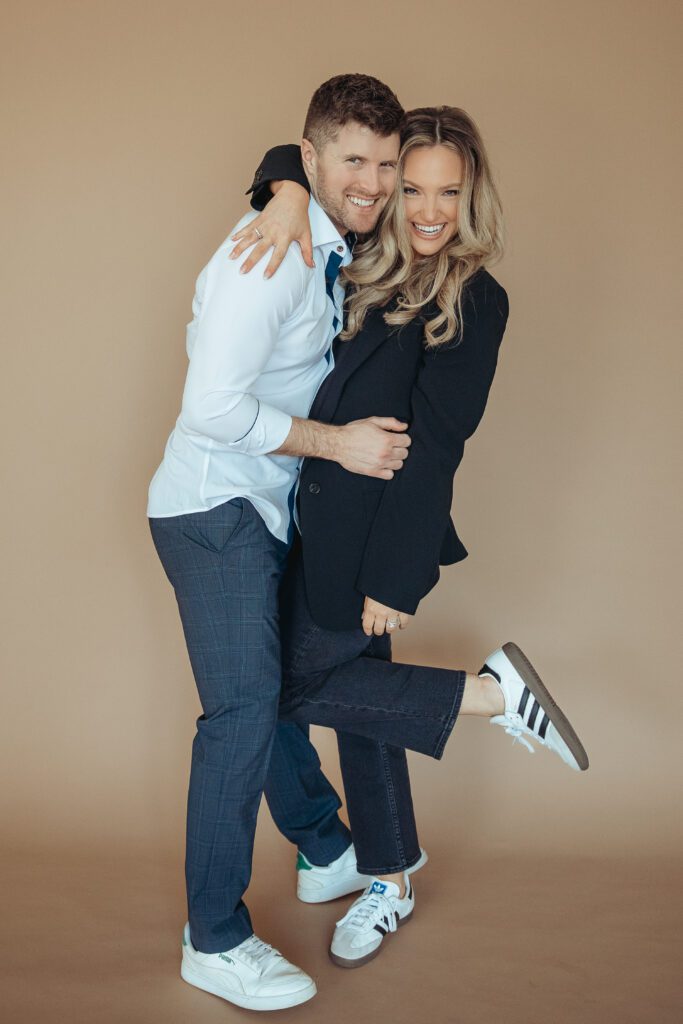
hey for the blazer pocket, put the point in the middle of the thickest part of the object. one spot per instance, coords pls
(213, 530)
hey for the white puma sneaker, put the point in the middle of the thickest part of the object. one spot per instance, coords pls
(252, 975)
(319, 884)
(530, 711)
(361, 932)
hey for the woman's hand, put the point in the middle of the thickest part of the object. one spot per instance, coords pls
(284, 220)
(378, 618)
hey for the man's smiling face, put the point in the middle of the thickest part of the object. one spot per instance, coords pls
(353, 176)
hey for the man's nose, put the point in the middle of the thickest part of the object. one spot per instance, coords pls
(370, 180)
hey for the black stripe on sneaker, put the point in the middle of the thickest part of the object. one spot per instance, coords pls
(491, 671)
(523, 702)
(543, 727)
(533, 714)
(380, 929)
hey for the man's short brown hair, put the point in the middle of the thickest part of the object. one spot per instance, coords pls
(346, 98)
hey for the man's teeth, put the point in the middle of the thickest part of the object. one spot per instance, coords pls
(361, 202)
(427, 230)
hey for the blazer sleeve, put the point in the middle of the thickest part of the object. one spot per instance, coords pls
(282, 163)
(401, 559)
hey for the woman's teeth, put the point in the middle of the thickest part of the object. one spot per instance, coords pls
(363, 203)
(429, 232)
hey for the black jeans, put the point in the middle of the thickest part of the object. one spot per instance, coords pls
(347, 681)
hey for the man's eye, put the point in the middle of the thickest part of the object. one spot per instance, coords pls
(353, 160)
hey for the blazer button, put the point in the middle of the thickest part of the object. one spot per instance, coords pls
(314, 488)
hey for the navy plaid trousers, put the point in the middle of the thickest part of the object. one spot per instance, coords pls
(225, 567)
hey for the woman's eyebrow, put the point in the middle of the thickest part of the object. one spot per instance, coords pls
(452, 184)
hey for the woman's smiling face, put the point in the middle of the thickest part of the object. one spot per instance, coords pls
(432, 182)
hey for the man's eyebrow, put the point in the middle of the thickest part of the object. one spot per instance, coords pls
(453, 184)
(357, 156)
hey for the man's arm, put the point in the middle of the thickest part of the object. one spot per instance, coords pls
(377, 446)
(238, 326)
(239, 321)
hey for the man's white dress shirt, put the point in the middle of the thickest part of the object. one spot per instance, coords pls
(258, 352)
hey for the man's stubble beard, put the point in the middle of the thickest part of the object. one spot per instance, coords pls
(336, 210)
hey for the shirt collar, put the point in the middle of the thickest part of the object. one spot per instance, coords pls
(323, 231)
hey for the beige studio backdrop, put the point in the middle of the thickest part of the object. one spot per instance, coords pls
(130, 131)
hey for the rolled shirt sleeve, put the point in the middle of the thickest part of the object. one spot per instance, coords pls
(231, 340)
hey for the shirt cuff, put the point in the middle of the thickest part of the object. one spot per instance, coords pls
(267, 433)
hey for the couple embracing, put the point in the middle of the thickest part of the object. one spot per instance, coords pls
(303, 508)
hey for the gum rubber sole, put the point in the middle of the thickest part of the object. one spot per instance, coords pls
(248, 1002)
(556, 715)
(340, 961)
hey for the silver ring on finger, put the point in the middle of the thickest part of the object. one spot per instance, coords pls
(258, 234)
(392, 623)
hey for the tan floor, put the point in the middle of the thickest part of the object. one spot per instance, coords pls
(95, 939)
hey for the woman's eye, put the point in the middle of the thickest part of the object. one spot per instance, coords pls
(452, 192)
(407, 191)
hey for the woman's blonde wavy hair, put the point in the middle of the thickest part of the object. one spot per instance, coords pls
(385, 266)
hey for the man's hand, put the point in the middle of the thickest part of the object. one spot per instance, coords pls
(284, 220)
(378, 618)
(375, 447)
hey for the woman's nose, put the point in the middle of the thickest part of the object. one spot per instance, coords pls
(430, 210)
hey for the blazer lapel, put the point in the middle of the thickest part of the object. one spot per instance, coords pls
(348, 357)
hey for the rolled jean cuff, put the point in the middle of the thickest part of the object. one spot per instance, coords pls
(454, 712)
(391, 869)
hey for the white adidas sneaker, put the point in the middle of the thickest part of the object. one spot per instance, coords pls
(252, 975)
(378, 912)
(530, 711)
(319, 884)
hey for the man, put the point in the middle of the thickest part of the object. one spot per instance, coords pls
(221, 507)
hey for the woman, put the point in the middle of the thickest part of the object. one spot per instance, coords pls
(424, 323)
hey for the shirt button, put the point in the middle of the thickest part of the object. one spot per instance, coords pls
(314, 488)
(340, 248)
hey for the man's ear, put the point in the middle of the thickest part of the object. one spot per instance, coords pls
(309, 158)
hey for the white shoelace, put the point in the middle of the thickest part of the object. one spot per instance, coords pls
(256, 953)
(370, 909)
(514, 726)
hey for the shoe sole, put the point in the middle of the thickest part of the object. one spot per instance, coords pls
(248, 1002)
(326, 896)
(340, 961)
(541, 693)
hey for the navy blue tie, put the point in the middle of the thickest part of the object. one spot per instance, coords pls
(334, 261)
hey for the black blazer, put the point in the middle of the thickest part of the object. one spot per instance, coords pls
(387, 538)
